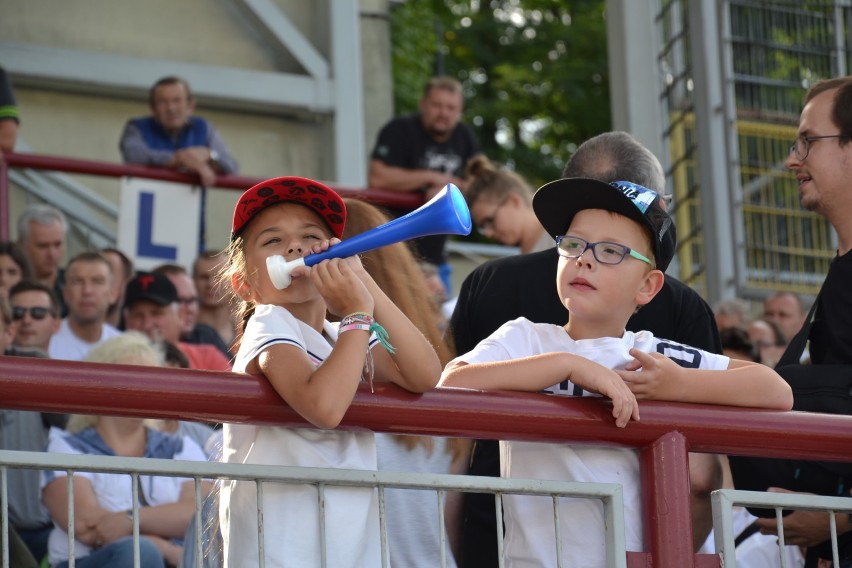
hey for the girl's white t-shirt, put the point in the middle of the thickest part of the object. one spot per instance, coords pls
(530, 539)
(290, 512)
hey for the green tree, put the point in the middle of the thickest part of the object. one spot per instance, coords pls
(534, 72)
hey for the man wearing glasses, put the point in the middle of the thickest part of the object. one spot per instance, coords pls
(35, 312)
(31, 305)
(821, 159)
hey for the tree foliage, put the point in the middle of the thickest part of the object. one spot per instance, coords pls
(534, 71)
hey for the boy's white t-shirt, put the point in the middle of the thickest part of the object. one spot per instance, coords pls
(291, 521)
(530, 539)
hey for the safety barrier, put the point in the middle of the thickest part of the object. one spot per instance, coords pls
(725, 499)
(664, 436)
(320, 478)
(389, 199)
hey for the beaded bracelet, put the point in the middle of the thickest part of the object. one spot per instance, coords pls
(358, 320)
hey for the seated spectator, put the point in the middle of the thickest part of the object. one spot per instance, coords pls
(215, 307)
(9, 116)
(731, 313)
(737, 345)
(14, 266)
(35, 311)
(42, 231)
(122, 270)
(22, 430)
(412, 516)
(768, 339)
(500, 204)
(103, 502)
(191, 331)
(173, 138)
(787, 311)
(151, 307)
(88, 295)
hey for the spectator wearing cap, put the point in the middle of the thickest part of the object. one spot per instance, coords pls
(35, 311)
(191, 331)
(173, 138)
(522, 286)
(152, 306)
(88, 295)
(614, 242)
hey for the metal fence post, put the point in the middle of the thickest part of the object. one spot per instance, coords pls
(666, 506)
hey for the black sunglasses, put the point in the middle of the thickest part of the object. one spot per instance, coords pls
(37, 313)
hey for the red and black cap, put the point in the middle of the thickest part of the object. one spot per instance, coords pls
(150, 287)
(322, 199)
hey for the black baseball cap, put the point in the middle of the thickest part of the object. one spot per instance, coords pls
(556, 203)
(152, 287)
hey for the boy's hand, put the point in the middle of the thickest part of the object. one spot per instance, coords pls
(653, 376)
(596, 378)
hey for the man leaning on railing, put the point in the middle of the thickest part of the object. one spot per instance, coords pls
(173, 138)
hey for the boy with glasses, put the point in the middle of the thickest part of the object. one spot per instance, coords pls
(614, 241)
(35, 311)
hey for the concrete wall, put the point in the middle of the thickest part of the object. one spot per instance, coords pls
(79, 121)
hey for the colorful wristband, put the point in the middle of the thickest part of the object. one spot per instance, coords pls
(351, 326)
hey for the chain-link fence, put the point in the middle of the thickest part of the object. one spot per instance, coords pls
(770, 53)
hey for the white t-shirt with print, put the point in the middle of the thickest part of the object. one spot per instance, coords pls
(291, 522)
(529, 539)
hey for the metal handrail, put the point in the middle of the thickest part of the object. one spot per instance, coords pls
(390, 199)
(122, 390)
(663, 437)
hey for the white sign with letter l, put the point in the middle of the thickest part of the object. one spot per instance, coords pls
(159, 222)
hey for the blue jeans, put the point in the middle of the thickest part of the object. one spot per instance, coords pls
(119, 554)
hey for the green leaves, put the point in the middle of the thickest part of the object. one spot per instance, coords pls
(535, 73)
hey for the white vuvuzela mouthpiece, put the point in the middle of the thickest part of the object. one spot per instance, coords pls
(279, 270)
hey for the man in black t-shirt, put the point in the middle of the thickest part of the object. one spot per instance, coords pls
(424, 152)
(525, 285)
(821, 158)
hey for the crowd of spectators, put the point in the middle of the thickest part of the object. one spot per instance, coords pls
(765, 336)
(96, 307)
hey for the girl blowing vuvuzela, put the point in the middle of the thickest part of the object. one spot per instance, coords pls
(316, 367)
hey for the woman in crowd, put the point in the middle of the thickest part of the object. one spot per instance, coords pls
(500, 204)
(14, 266)
(103, 502)
(411, 516)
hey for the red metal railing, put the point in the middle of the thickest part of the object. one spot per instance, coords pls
(389, 199)
(664, 436)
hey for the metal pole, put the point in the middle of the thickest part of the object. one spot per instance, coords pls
(666, 507)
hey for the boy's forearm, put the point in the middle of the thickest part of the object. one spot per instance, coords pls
(531, 374)
(756, 386)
